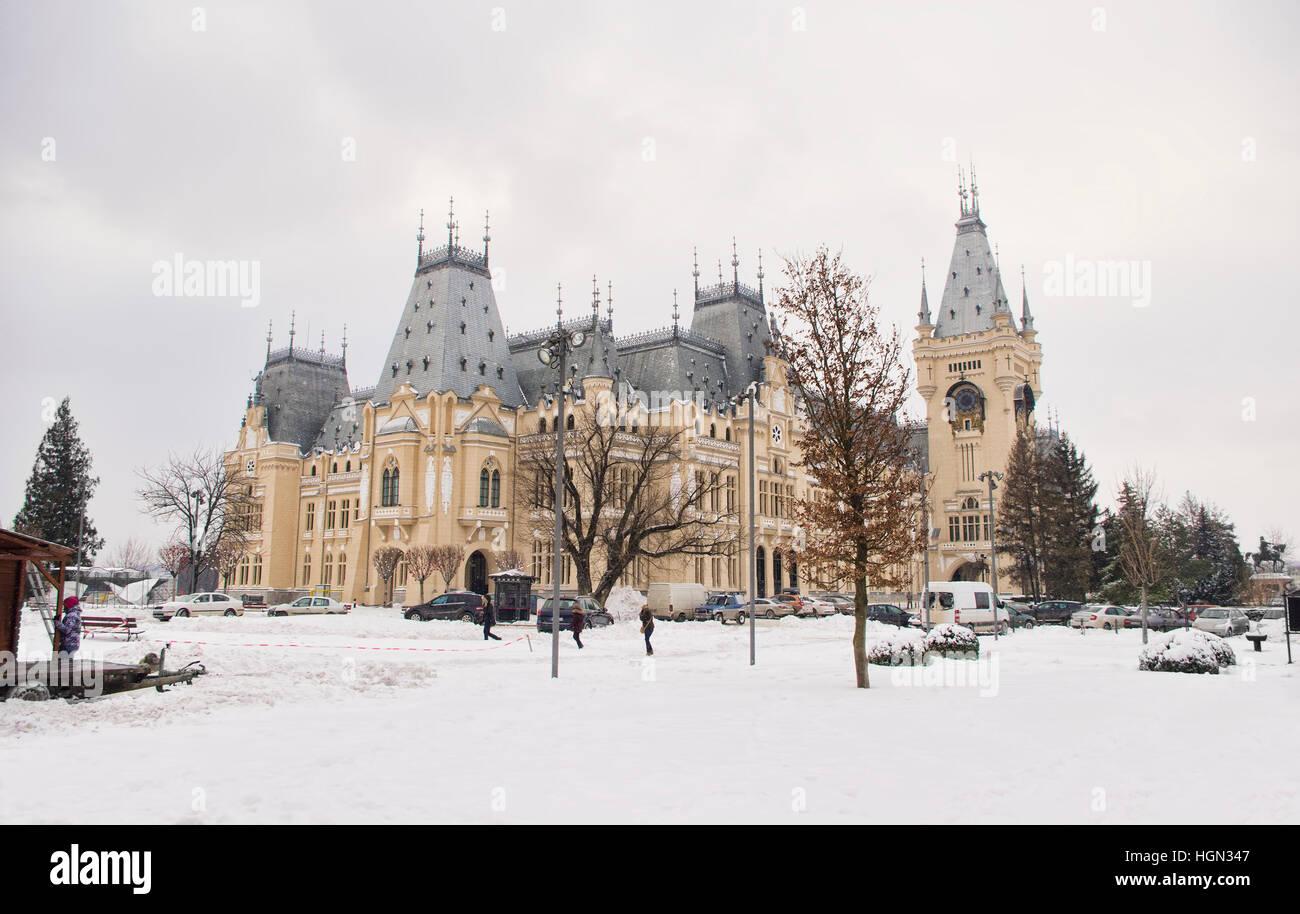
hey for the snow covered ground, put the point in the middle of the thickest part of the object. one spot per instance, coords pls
(371, 718)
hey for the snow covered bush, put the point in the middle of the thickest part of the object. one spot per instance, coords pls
(896, 650)
(949, 640)
(1187, 650)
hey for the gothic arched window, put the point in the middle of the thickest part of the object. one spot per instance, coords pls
(496, 488)
(483, 488)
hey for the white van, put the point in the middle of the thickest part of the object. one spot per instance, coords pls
(967, 603)
(675, 602)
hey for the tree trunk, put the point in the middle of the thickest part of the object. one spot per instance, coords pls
(860, 633)
(1144, 614)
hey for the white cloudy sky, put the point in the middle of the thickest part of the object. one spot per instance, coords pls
(1116, 134)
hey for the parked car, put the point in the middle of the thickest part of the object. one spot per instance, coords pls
(768, 608)
(1056, 612)
(309, 606)
(1107, 617)
(1020, 615)
(675, 602)
(724, 607)
(890, 614)
(594, 615)
(457, 604)
(1224, 621)
(199, 604)
(967, 603)
(843, 603)
(1159, 619)
(815, 606)
(253, 601)
(805, 606)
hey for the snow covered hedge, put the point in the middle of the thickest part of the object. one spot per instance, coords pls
(896, 650)
(950, 640)
(1187, 650)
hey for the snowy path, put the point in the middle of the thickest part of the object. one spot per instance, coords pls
(1064, 730)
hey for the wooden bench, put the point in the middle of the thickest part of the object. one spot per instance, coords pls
(112, 625)
(1257, 639)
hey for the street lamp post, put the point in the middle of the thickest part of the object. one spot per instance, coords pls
(992, 477)
(751, 394)
(555, 355)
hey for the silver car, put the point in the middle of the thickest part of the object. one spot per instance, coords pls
(308, 606)
(1223, 621)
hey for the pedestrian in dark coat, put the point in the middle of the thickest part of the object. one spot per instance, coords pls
(68, 626)
(489, 619)
(579, 622)
(647, 628)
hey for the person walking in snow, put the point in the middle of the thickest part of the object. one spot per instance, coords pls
(68, 626)
(647, 628)
(489, 619)
(579, 622)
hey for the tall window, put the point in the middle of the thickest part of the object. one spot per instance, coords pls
(343, 516)
(327, 574)
(731, 494)
(331, 512)
(311, 516)
(257, 570)
(343, 568)
(496, 488)
(306, 569)
(243, 571)
(389, 488)
(483, 487)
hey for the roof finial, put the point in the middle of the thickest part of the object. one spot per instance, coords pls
(719, 271)
(609, 304)
(451, 220)
(695, 270)
(924, 313)
(974, 191)
(559, 305)
(595, 302)
(419, 237)
(322, 345)
(735, 265)
(675, 315)
(487, 233)
(961, 190)
(1026, 319)
(760, 274)
(293, 319)
(345, 344)
(268, 339)
(457, 233)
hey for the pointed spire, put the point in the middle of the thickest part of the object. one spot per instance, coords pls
(419, 237)
(293, 318)
(675, 314)
(1026, 319)
(974, 191)
(451, 220)
(735, 266)
(961, 191)
(695, 270)
(322, 345)
(559, 305)
(760, 274)
(487, 234)
(268, 339)
(609, 304)
(924, 314)
(595, 303)
(345, 344)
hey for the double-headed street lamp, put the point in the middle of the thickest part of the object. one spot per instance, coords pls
(992, 477)
(555, 355)
(751, 394)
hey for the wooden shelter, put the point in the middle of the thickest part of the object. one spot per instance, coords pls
(16, 550)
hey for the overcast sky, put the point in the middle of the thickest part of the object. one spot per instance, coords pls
(610, 139)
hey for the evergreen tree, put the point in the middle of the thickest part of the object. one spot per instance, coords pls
(1020, 514)
(1208, 566)
(1070, 516)
(60, 487)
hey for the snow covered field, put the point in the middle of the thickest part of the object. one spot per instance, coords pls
(1053, 726)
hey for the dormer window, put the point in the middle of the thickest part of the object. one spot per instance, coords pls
(482, 368)
(462, 328)
(462, 364)
(394, 369)
(408, 333)
(409, 366)
(965, 290)
(501, 373)
(492, 334)
(426, 363)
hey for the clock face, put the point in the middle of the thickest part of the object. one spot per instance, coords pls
(251, 466)
(966, 399)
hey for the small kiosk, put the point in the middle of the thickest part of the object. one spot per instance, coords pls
(512, 595)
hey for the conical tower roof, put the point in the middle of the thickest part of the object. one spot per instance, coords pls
(972, 291)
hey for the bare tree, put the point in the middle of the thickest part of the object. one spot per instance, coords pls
(510, 560)
(420, 563)
(860, 516)
(130, 553)
(208, 505)
(226, 558)
(627, 495)
(387, 558)
(173, 557)
(1144, 557)
(446, 561)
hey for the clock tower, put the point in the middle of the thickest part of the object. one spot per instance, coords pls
(978, 373)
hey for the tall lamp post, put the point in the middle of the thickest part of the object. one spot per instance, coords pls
(992, 477)
(555, 355)
(751, 394)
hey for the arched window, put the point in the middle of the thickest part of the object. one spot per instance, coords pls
(970, 504)
(313, 471)
(541, 426)
(728, 434)
(713, 430)
(483, 488)
(389, 488)
(496, 488)
(568, 423)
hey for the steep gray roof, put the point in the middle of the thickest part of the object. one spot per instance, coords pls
(732, 313)
(972, 290)
(673, 359)
(450, 336)
(598, 356)
(299, 388)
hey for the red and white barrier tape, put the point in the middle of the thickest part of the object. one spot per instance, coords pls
(341, 647)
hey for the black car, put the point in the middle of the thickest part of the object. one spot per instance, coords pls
(890, 614)
(594, 615)
(458, 604)
(1054, 611)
